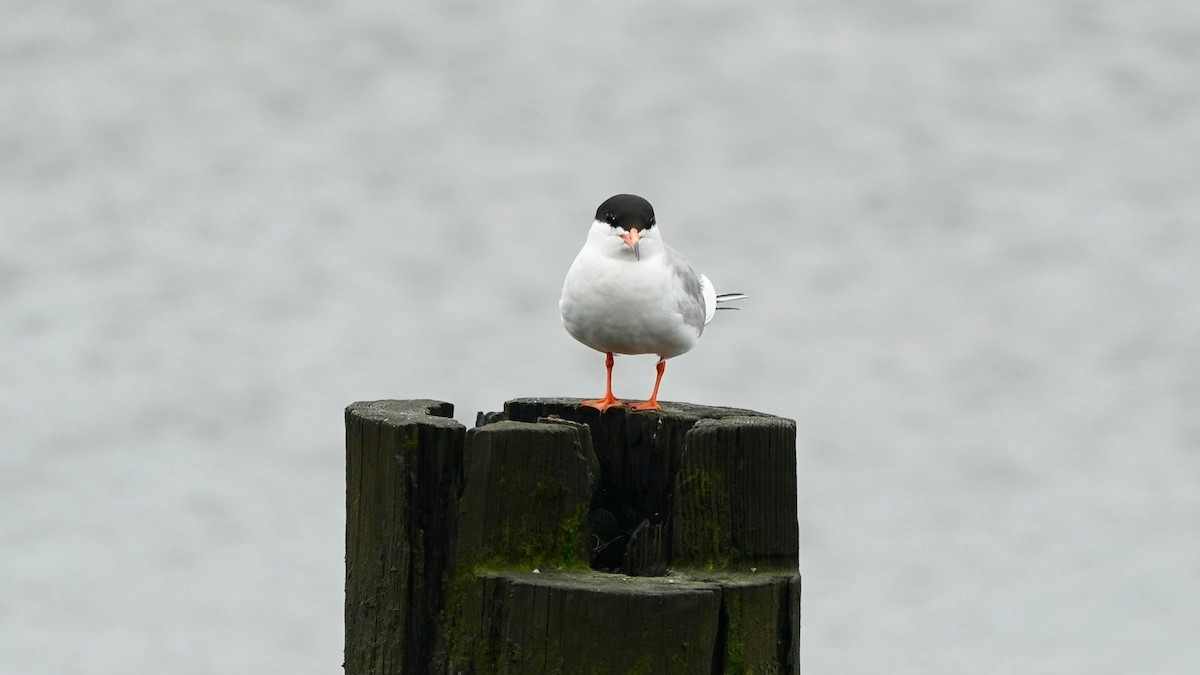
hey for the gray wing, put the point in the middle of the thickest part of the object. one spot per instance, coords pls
(690, 302)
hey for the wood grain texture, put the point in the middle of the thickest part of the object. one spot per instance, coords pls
(735, 505)
(403, 467)
(526, 493)
(597, 623)
(719, 484)
(468, 551)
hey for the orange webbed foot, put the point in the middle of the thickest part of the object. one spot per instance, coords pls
(645, 405)
(602, 404)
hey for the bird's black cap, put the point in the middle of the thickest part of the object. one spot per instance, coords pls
(627, 212)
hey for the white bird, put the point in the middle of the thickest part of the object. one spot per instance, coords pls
(629, 293)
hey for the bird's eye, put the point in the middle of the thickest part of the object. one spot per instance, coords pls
(651, 221)
(610, 219)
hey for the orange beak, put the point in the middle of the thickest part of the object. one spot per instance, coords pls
(631, 239)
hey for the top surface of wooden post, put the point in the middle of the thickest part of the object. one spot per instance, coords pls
(402, 411)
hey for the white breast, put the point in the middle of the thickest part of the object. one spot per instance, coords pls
(626, 306)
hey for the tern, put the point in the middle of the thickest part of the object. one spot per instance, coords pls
(629, 293)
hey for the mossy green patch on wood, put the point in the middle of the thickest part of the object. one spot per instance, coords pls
(702, 530)
(734, 659)
(571, 541)
(409, 438)
(527, 488)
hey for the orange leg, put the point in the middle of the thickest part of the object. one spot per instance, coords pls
(609, 401)
(652, 404)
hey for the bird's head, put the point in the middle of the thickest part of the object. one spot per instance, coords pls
(624, 225)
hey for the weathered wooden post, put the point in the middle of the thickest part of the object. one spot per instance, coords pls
(403, 475)
(554, 539)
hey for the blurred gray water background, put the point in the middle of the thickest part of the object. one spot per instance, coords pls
(969, 230)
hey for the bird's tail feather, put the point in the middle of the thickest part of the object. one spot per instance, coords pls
(729, 297)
